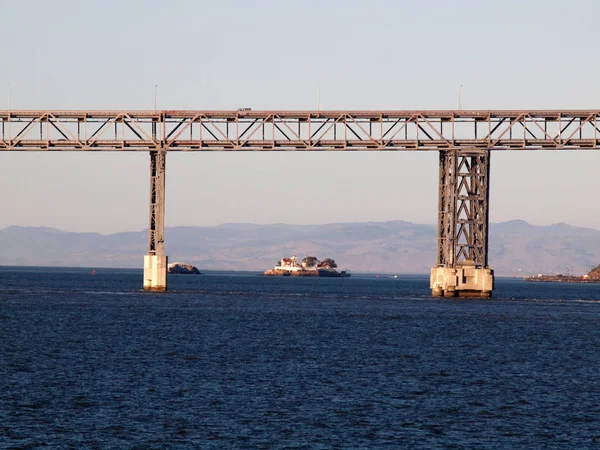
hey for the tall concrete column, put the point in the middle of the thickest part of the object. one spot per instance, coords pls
(155, 262)
(463, 218)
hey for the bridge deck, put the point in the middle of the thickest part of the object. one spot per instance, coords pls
(245, 129)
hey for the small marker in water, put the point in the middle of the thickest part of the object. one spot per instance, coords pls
(93, 271)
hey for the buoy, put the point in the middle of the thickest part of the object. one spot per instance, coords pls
(93, 272)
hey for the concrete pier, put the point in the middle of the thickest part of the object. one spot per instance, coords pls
(464, 281)
(155, 272)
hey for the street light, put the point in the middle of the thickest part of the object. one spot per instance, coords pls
(318, 98)
(9, 99)
(155, 88)
(459, 104)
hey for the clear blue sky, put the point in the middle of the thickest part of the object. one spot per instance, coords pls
(272, 54)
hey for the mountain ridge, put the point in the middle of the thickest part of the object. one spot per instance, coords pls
(517, 248)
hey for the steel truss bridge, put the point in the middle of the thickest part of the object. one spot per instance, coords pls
(463, 138)
(298, 130)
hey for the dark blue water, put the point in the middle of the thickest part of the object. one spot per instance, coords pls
(241, 361)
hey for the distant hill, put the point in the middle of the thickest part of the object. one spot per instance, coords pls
(516, 247)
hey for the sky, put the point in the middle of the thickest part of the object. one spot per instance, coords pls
(272, 55)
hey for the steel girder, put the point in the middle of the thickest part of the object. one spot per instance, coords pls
(463, 208)
(156, 234)
(245, 129)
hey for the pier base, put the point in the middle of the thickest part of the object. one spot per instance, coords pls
(155, 272)
(464, 281)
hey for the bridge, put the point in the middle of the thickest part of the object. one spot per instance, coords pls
(463, 138)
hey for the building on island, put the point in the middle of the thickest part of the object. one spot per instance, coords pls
(289, 264)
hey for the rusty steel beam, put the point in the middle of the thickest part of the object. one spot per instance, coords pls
(248, 130)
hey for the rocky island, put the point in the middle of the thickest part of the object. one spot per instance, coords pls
(182, 268)
(309, 267)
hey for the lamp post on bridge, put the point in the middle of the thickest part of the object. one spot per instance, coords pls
(155, 89)
(318, 98)
(459, 103)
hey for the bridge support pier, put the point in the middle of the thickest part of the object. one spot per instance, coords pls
(155, 262)
(463, 218)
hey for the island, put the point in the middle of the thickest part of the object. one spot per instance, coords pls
(309, 267)
(182, 269)
(593, 276)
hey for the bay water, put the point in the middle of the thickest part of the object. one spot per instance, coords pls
(236, 360)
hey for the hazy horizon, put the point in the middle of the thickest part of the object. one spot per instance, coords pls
(357, 222)
(516, 248)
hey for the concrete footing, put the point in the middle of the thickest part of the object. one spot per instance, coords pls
(155, 272)
(463, 281)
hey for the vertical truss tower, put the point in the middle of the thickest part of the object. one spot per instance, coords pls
(155, 262)
(462, 251)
